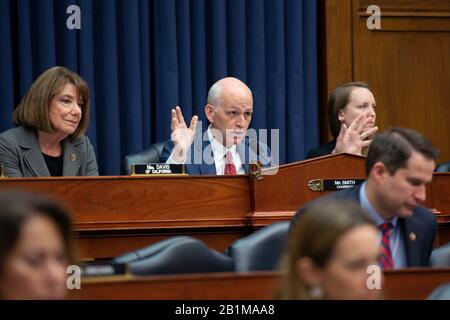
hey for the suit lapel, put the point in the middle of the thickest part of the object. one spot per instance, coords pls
(354, 193)
(72, 155)
(32, 153)
(206, 168)
(409, 228)
(410, 233)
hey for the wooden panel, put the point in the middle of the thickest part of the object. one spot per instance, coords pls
(338, 42)
(406, 61)
(107, 203)
(399, 284)
(336, 49)
(414, 284)
(407, 64)
(438, 199)
(114, 215)
(279, 196)
(438, 192)
(419, 8)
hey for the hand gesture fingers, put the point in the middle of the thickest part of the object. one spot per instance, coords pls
(368, 133)
(180, 116)
(359, 122)
(193, 123)
(182, 136)
(366, 143)
(174, 120)
(343, 130)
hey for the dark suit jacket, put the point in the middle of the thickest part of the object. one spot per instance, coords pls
(247, 151)
(323, 150)
(21, 155)
(422, 223)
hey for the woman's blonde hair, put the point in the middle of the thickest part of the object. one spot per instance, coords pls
(315, 236)
(33, 110)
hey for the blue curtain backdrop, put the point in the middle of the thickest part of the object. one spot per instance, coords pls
(142, 57)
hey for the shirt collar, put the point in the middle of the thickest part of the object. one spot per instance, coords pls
(219, 150)
(366, 205)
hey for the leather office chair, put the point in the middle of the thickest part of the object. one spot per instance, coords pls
(178, 255)
(440, 293)
(150, 155)
(443, 167)
(440, 257)
(260, 250)
(148, 251)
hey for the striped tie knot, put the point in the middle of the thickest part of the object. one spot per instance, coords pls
(386, 229)
(386, 259)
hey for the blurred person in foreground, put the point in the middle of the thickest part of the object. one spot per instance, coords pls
(35, 247)
(329, 252)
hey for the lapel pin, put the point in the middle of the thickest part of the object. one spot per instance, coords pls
(73, 157)
(412, 236)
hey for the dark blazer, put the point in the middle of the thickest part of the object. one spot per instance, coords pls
(323, 150)
(422, 223)
(21, 155)
(246, 150)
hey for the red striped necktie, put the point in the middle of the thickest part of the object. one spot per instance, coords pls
(386, 260)
(230, 168)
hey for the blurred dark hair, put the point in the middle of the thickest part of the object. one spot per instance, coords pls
(16, 207)
(394, 147)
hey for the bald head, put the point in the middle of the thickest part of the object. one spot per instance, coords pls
(229, 110)
(228, 88)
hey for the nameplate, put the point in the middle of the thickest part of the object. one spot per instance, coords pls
(321, 185)
(103, 270)
(144, 169)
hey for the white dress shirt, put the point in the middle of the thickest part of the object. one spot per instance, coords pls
(220, 155)
(220, 152)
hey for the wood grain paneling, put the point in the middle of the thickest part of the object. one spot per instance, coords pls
(419, 8)
(407, 284)
(406, 62)
(106, 203)
(339, 42)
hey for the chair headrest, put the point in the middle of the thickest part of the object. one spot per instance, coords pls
(150, 155)
(148, 251)
(440, 257)
(440, 293)
(261, 250)
(188, 255)
(443, 167)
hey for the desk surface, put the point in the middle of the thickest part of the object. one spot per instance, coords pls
(399, 284)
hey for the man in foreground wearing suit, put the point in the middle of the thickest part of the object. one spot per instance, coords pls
(225, 147)
(399, 164)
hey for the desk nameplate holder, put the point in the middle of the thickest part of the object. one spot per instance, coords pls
(321, 185)
(157, 169)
